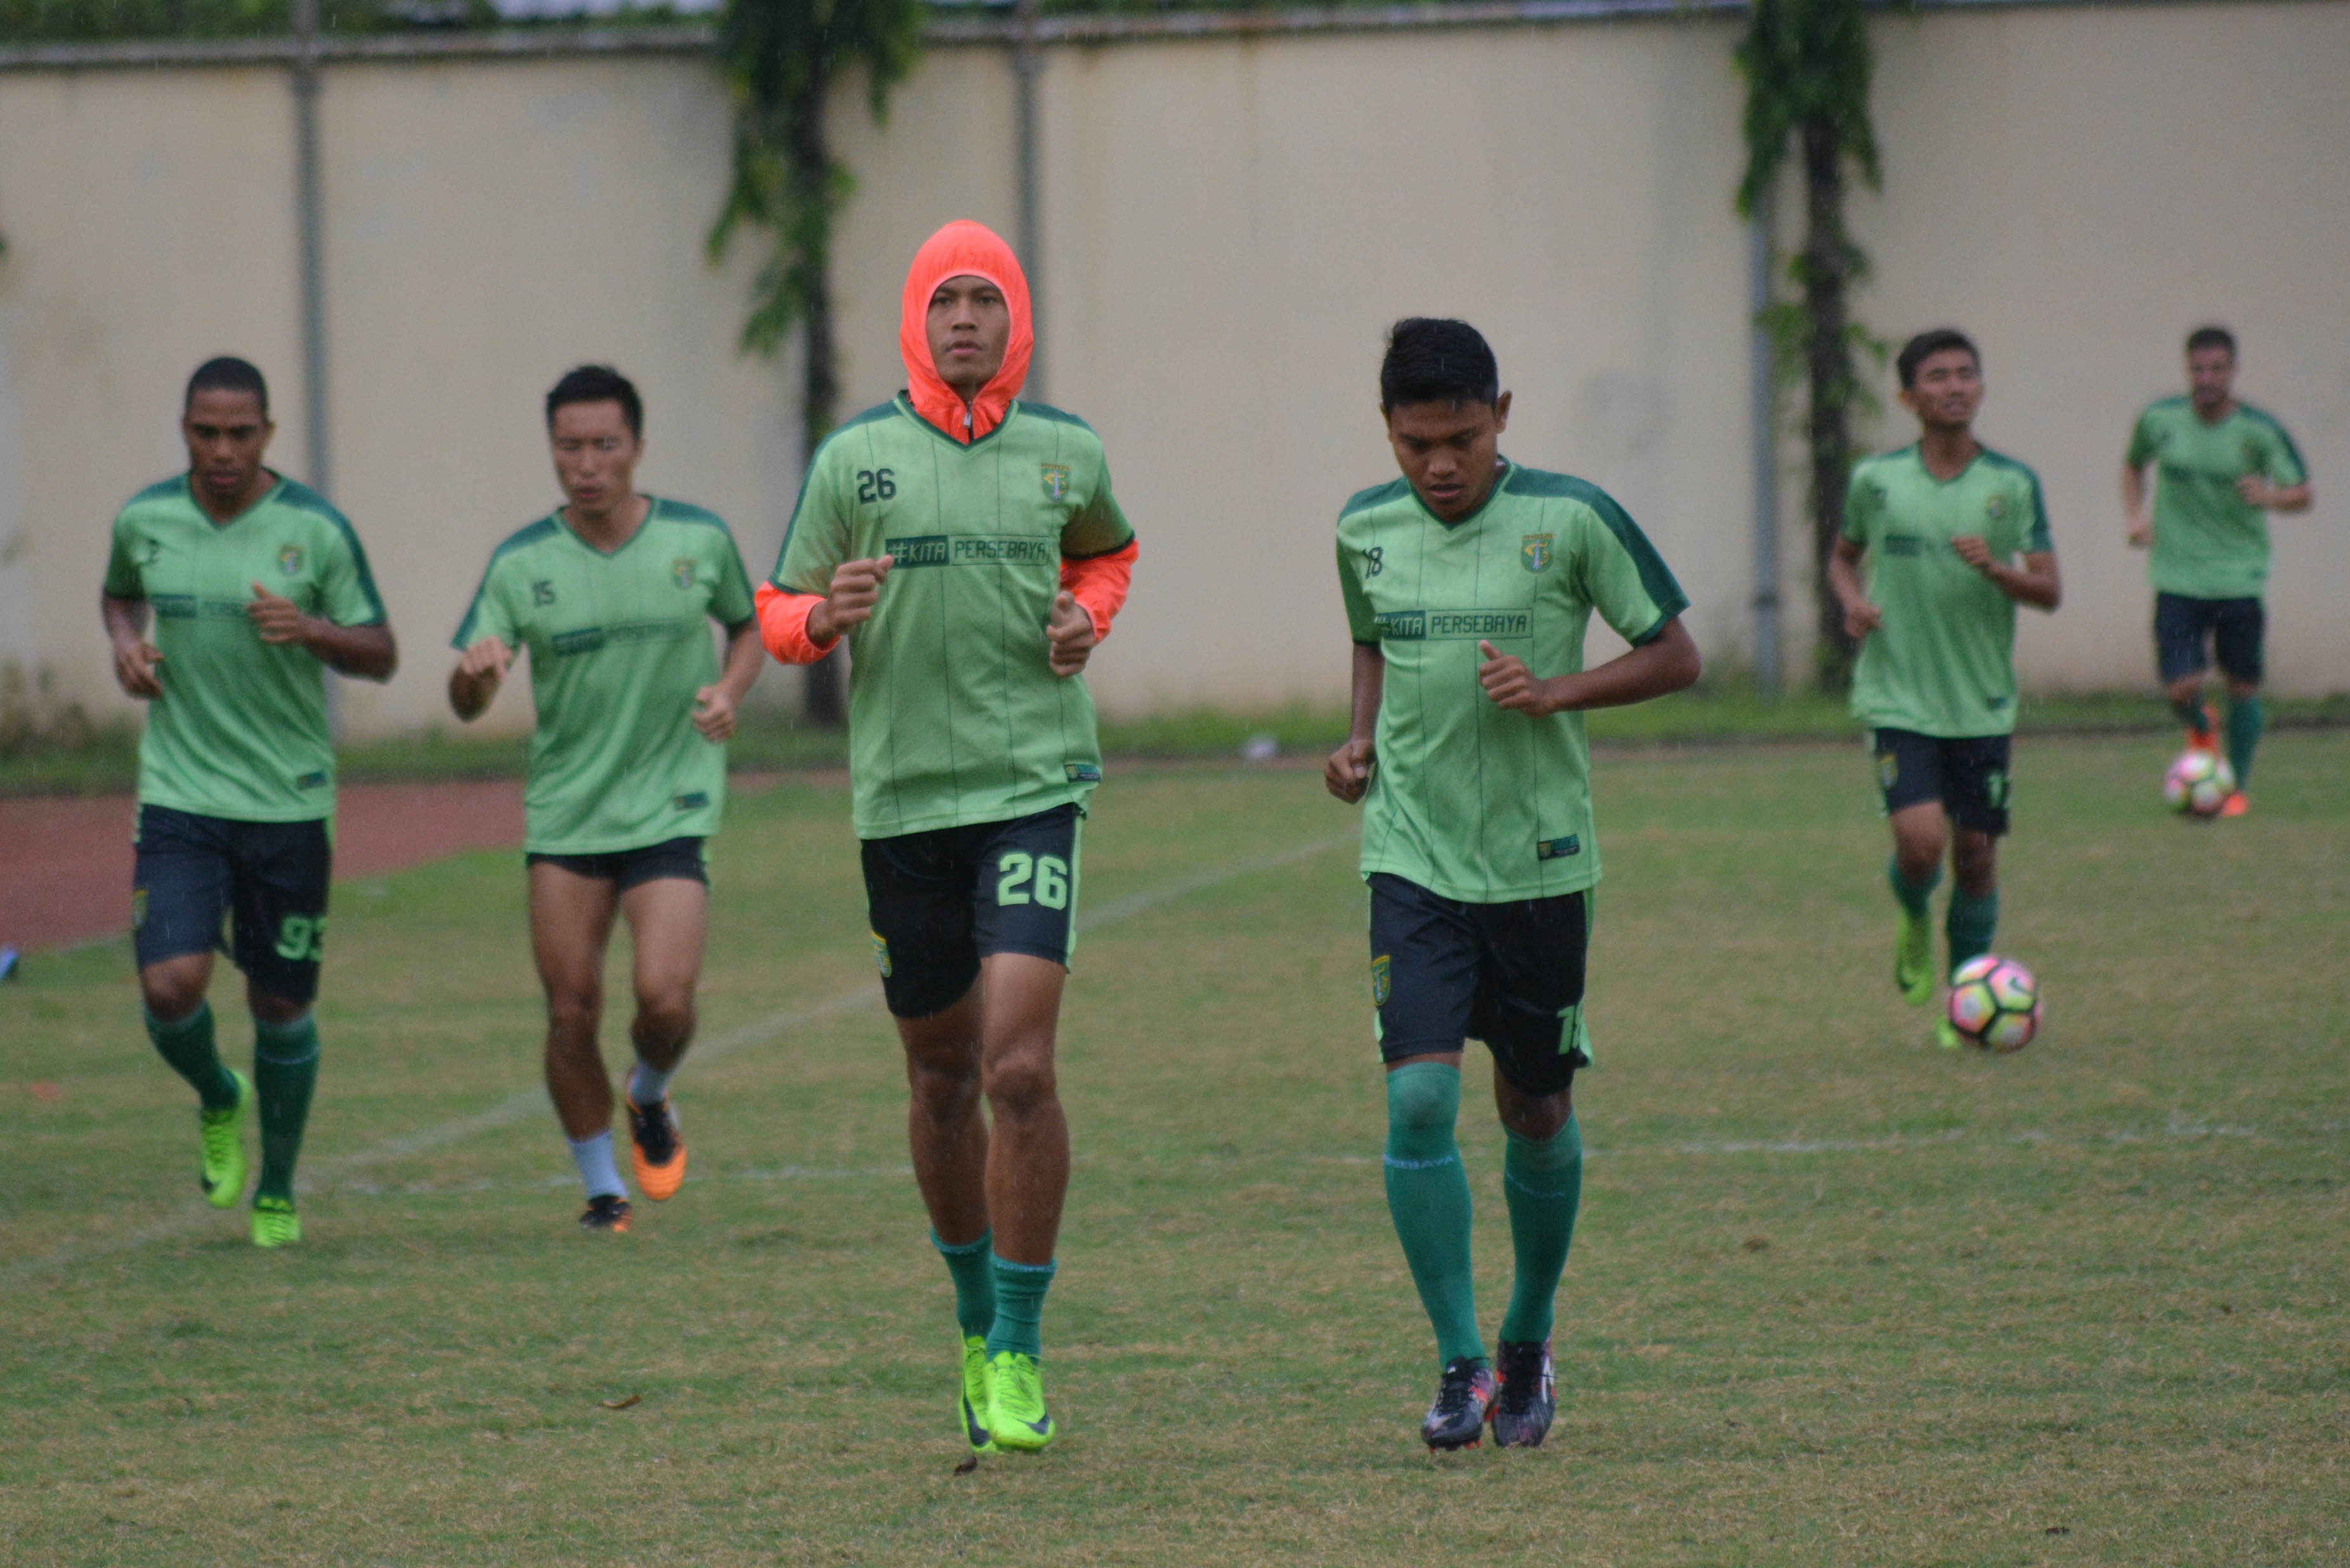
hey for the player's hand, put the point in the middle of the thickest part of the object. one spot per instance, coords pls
(2141, 533)
(487, 662)
(2256, 490)
(1972, 549)
(714, 713)
(1860, 618)
(279, 621)
(1511, 685)
(134, 667)
(1347, 773)
(1070, 633)
(856, 588)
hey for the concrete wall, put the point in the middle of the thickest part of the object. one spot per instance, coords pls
(1229, 225)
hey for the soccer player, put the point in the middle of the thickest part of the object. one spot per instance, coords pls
(257, 585)
(1940, 524)
(968, 546)
(613, 593)
(2223, 465)
(1461, 580)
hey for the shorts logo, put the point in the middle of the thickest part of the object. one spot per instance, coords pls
(680, 571)
(693, 802)
(1888, 769)
(880, 953)
(1995, 507)
(1559, 849)
(1534, 551)
(289, 560)
(1382, 980)
(137, 908)
(1082, 772)
(1056, 481)
(1995, 791)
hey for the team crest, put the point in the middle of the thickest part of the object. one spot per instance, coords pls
(1056, 481)
(137, 908)
(1995, 508)
(1535, 553)
(880, 953)
(680, 571)
(1382, 980)
(289, 560)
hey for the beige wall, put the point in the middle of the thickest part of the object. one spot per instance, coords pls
(1229, 225)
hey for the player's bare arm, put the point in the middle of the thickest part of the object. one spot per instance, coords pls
(2257, 491)
(135, 658)
(481, 670)
(1347, 773)
(2135, 512)
(2035, 583)
(1070, 636)
(713, 705)
(368, 652)
(1860, 617)
(1666, 663)
(856, 589)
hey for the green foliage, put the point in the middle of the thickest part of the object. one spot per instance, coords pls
(98, 21)
(781, 58)
(1806, 63)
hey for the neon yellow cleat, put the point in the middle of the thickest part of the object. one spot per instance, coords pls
(1016, 1418)
(274, 1223)
(1913, 958)
(221, 1135)
(1947, 1036)
(973, 1399)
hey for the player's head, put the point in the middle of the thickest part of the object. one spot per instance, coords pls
(224, 420)
(596, 425)
(1941, 379)
(963, 329)
(2210, 367)
(1441, 394)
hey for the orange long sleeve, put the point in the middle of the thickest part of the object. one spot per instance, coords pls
(783, 624)
(1098, 582)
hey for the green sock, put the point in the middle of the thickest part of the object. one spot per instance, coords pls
(1019, 1322)
(2244, 717)
(284, 1071)
(1543, 1184)
(974, 1285)
(1970, 925)
(1428, 1197)
(1913, 900)
(2189, 712)
(188, 1046)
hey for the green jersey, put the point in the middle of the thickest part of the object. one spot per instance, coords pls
(618, 645)
(240, 730)
(954, 715)
(1942, 661)
(1469, 800)
(2210, 542)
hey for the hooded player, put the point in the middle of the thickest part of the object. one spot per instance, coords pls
(968, 546)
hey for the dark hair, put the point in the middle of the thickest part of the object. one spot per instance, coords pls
(1926, 345)
(1433, 361)
(227, 374)
(599, 384)
(2211, 338)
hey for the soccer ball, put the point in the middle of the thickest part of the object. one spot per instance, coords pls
(2199, 783)
(1994, 1003)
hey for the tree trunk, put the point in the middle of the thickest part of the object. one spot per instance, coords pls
(820, 395)
(1827, 272)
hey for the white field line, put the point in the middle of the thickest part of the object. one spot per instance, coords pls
(533, 1102)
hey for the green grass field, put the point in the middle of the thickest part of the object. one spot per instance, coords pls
(1836, 1296)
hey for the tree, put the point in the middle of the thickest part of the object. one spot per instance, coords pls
(1807, 65)
(782, 58)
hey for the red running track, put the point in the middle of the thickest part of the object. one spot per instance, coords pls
(65, 865)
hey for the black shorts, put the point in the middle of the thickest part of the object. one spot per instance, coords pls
(627, 868)
(269, 878)
(2184, 627)
(1968, 775)
(1443, 972)
(942, 900)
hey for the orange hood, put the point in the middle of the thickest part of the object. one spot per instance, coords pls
(963, 248)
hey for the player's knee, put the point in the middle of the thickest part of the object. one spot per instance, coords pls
(1422, 1102)
(171, 995)
(574, 1011)
(665, 1014)
(1020, 1083)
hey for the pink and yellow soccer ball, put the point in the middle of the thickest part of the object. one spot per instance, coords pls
(1994, 1003)
(2199, 783)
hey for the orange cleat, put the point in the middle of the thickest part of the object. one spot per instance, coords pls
(2235, 804)
(657, 1149)
(2204, 736)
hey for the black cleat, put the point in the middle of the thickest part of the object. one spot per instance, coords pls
(1528, 1400)
(1457, 1419)
(606, 1212)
